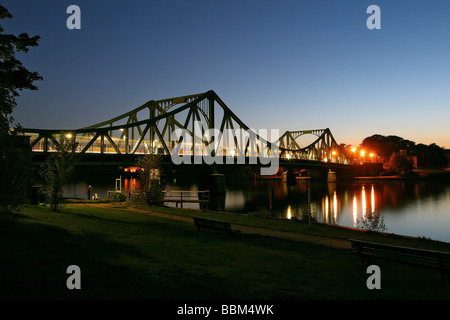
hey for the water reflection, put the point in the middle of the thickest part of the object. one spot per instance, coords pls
(131, 184)
(363, 204)
(404, 205)
(332, 206)
(330, 209)
(417, 208)
(372, 198)
(289, 212)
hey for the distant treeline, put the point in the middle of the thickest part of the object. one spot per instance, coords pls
(430, 156)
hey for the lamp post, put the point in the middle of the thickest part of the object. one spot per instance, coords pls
(354, 154)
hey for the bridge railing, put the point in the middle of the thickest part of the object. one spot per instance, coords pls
(88, 143)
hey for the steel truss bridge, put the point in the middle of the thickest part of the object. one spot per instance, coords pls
(202, 123)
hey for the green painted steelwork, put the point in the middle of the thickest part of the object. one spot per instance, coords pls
(151, 128)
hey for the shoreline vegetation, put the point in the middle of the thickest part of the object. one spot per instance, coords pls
(130, 251)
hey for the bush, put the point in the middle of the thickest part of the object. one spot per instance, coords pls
(117, 196)
(373, 221)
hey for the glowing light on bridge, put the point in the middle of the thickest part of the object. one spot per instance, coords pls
(152, 128)
(133, 169)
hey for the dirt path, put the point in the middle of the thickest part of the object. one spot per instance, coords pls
(330, 242)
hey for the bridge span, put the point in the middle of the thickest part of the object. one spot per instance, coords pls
(193, 127)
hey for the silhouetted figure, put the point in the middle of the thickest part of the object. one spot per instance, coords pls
(89, 189)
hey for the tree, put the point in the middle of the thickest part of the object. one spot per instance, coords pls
(15, 172)
(398, 163)
(431, 156)
(385, 146)
(14, 77)
(57, 170)
(150, 179)
(15, 154)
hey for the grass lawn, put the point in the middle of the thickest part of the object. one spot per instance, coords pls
(126, 254)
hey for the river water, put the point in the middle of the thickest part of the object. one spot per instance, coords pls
(407, 207)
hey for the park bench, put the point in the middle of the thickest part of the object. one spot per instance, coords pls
(203, 224)
(435, 260)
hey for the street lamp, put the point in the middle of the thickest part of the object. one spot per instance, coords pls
(363, 152)
(354, 154)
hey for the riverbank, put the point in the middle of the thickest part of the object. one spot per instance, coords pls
(417, 174)
(133, 252)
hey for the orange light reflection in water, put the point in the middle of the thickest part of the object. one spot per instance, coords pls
(372, 198)
(131, 184)
(335, 207)
(364, 204)
(330, 209)
(289, 212)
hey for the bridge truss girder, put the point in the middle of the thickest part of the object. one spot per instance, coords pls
(159, 126)
(207, 127)
(324, 148)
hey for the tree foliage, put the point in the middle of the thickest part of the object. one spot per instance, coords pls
(15, 173)
(57, 170)
(431, 156)
(385, 147)
(399, 163)
(14, 155)
(150, 179)
(14, 77)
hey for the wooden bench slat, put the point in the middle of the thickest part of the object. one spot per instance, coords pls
(431, 259)
(202, 223)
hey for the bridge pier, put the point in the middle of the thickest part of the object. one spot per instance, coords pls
(331, 176)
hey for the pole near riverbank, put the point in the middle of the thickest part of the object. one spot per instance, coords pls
(309, 207)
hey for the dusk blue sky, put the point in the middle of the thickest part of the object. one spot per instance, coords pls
(288, 65)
